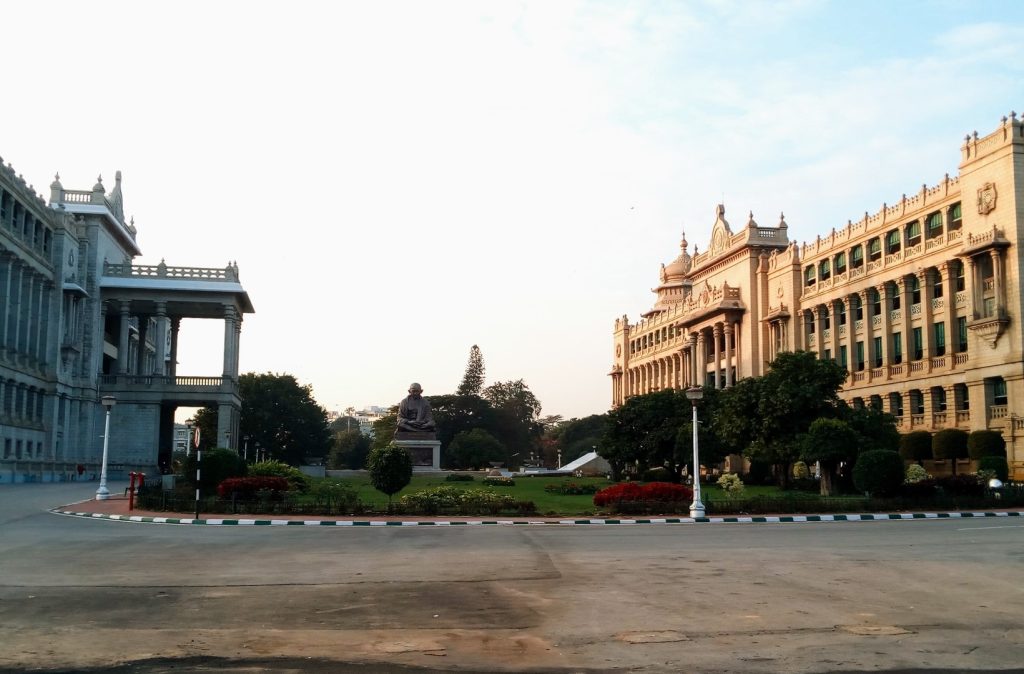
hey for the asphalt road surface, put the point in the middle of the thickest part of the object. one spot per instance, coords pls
(902, 596)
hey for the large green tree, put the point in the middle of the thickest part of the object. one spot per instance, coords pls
(765, 417)
(473, 379)
(282, 416)
(517, 413)
(349, 449)
(643, 431)
(829, 441)
(576, 437)
(475, 449)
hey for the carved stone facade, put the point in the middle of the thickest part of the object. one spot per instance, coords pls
(921, 302)
(78, 321)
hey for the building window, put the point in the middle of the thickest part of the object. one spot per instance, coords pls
(842, 312)
(842, 355)
(896, 404)
(916, 402)
(840, 263)
(827, 355)
(809, 275)
(960, 284)
(895, 303)
(937, 289)
(938, 399)
(955, 218)
(961, 333)
(878, 352)
(876, 302)
(914, 233)
(860, 356)
(824, 273)
(827, 320)
(940, 339)
(858, 308)
(999, 391)
(892, 242)
(897, 347)
(857, 257)
(875, 402)
(874, 249)
(961, 397)
(810, 323)
(934, 225)
(915, 290)
(918, 344)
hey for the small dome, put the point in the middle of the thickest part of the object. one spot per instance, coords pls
(680, 267)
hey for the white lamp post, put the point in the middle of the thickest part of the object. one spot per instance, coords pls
(694, 394)
(102, 493)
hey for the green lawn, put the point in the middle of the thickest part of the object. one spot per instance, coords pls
(525, 489)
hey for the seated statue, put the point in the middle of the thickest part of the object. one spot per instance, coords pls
(414, 415)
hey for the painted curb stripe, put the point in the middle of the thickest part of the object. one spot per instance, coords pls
(767, 519)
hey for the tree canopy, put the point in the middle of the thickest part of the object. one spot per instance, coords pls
(473, 380)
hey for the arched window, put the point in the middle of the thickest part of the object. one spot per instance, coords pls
(809, 275)
(914, 233)
(874, 248)
(934, 225)
(892, 242)
(857, 257)
(956, 220)
(824, 272)
(840, 262)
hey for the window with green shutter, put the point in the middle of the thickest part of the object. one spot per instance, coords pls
(824, 273)
(875, 248)
(892, 242)
(914, 233)
(809, 275)
(956, 220)
(940, 339)
(840, 263)
(934, 225)
(857, 256)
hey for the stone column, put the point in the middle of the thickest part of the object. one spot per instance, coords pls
(737, 336)
(716, 333)
(869, 333)
(694, 380)
(160, 367)
(999, 287)
(238, 342)
(229, 340)
(172, 364)
(885, 329)
(926, 280)
(122, 344)
(972, 284)
(833, 310)
(140, 357)
(701, 369)
(906, 326)
(820, 328)
(728, 331)
(949, 302)
(5, 301)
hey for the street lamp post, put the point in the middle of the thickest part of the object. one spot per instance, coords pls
(694, 394)
(102, 493)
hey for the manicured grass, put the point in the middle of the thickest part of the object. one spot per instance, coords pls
(525, 489)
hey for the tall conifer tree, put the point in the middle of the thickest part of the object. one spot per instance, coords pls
(473, 381)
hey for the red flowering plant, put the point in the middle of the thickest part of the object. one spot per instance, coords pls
(653, 496)
(249, 487)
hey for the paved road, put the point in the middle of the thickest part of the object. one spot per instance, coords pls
(81, 595)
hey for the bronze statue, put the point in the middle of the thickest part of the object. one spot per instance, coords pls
(414, 415)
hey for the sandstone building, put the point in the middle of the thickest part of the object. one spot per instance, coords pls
(79, 321)
(921, 303)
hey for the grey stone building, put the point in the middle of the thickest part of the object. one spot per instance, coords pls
(79, 321)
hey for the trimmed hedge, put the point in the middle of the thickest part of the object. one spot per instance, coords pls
(916, 446)
(878, 472)
(986, 443)
(249, 487)
(218, 465)
(950, 443)
(633, 496)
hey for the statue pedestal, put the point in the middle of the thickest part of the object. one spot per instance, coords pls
(425, 454)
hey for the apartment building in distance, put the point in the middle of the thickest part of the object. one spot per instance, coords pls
(920, 301)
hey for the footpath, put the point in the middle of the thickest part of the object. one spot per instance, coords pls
(116, 509)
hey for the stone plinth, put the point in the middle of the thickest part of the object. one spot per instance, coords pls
(425, 454)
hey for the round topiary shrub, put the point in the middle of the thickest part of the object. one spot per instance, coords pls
(878, 472)
(916, 446)
(915, 474)
(950, 443)
(997, 464)
(218, 465)
(273, 468)
(985, 443)
(390, 469)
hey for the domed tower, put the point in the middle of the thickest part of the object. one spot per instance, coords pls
(675, 282)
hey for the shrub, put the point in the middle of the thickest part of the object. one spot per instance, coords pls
(915, 474)
(878, 472)
(334, 493)
(498, 481)
(916, 446)
(961, 485)
(459, 477)
(658, 474)
(443, 498)
(652, 492)
(390, 469)
(218, 465)
(731, 483)
(922, 489)
(272, 468)
(474, 449)
(950, 443)
(996, 464)
(800, 471)
(247, 488)
(985, 443)
(572, 488)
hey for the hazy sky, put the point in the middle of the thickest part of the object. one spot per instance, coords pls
(401, 180)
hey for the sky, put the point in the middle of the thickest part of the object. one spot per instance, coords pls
(399, 181)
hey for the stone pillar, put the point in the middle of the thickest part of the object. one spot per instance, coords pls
(820, 328)
(694, 380)
(716, 333)
(999, 286)
(949, 301)
(869, 333)
(238, 343)
(160, 367)
(926, 280)
(122, 344)
(903, 288)
(737, 336)
(702, 359)
(229, 340)
(728, 331)
(172, 364)
(140, 357)
(833, 309)
(974, 300)
(885, 329)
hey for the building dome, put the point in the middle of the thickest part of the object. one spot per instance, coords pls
(680, 267)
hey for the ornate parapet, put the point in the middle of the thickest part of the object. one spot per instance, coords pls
(227, 274)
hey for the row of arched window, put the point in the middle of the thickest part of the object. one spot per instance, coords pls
(24, 226)
(891, 242)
